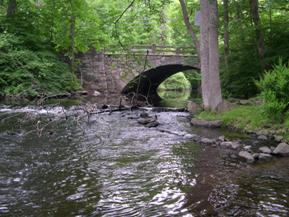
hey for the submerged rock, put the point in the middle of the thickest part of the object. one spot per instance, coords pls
(146, 120)
(152, 124)
(264, 157)
(207, 141)
(247, 156)
(282, 149)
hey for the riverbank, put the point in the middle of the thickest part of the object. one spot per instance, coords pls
(250, 119)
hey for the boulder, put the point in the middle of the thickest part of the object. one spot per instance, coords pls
(233, 145)
(246, 156)
(282, 149)
(262, 137)
(278, 138)
(265, 150)
(247, 147)
(222, 139)
(189, 136)
(203, 123)
(256, 156)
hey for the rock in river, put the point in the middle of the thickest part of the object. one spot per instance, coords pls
(265, 150)
(233, 145)
(247, 156)
(148, 121)
(189, 136)
(282, 149)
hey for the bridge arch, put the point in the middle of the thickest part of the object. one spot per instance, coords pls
(113, 73)
(148, 81)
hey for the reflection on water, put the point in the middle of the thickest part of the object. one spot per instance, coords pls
(112, 166)
(174, 98)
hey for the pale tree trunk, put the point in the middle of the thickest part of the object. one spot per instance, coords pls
(11, 8)
(254, 5)
(211, 86)
(226, 32)
(190, 27)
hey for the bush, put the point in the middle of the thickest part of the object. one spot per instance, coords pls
(30, 73)
(275, 91)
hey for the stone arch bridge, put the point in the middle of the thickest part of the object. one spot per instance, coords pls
(140, 69)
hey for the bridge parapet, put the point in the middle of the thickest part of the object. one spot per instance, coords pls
(161, 50)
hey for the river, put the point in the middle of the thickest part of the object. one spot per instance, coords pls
(53, 163)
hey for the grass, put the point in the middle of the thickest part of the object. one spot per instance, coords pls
(249, 118)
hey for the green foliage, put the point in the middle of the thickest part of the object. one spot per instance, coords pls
(274, 89)
(249, 118)
(44, 26)
(176, 82)
(242, 117)
(28, 73)
(238, 80)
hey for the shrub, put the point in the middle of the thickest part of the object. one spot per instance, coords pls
(31, 73)
(275, 91)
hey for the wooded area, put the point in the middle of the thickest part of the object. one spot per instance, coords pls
(40, 37)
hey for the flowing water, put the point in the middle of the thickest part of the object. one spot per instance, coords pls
(55, 163)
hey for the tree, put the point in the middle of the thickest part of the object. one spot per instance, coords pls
(254, 6)
(12, 7)
(211, 86)
(207, 51)
(226, 32)
(189, 27)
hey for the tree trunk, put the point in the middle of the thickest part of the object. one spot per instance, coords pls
(254, 4)
(226, 32)
(211, 87)
(240, 19)
(189, 27)
(12, 7)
